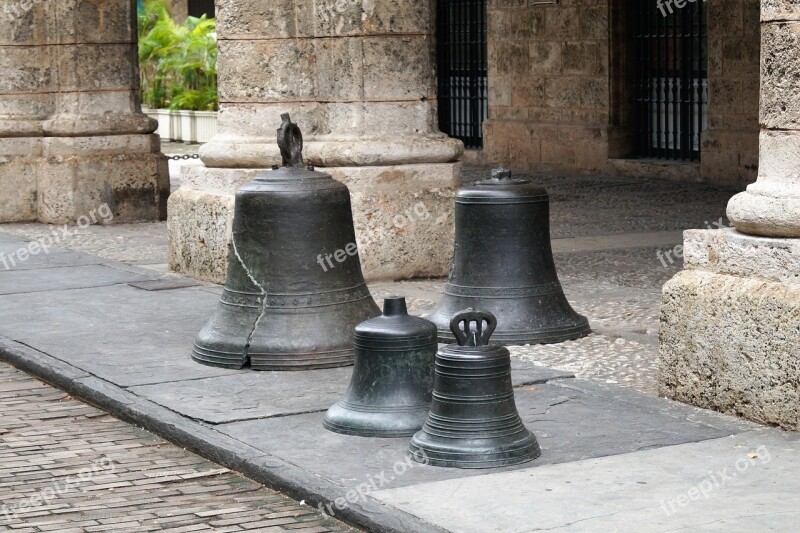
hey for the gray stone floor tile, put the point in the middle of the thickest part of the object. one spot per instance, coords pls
(731, 484)
(572, 419)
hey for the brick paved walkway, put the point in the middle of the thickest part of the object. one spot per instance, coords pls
(66, 466)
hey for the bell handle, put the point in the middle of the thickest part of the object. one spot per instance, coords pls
(290, 142)
(461, 326)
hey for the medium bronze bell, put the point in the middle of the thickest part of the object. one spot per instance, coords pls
(503, 263)
(390, 390)
(473, 422)
(283, 308)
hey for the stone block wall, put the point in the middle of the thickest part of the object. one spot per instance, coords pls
(548, 85)
(558, 97)
(179, 9)
(729, 152)
(357, 76)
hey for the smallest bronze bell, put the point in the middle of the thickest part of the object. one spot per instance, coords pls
(390, 390)
(473, 422)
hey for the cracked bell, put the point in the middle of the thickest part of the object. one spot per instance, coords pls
(282, 308)
(503, 263)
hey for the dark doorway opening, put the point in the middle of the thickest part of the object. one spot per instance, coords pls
(669, 75)
(198, 8)
(462, 66)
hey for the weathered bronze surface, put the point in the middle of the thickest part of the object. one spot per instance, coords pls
(281, 310)
(473, 422)
(390, 391)
(503, 263)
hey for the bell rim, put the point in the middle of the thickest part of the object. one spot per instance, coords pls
(526, 453)
(340, 418)
(353, 432)
(317, 365)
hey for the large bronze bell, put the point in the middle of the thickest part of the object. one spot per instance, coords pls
(503, 263)
(473, 422)
(282, 307)
(390, 390)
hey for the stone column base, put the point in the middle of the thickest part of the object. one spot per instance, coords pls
(403, 218)
(60, 180)
(730, 327)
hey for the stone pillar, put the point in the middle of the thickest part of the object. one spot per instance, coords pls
(730, 322)
(771, 206)
(179, 9)
(72, 135)
(358, 77)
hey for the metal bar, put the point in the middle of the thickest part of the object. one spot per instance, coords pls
(648, 79)
(675, 78)
(685, 39)
(645, 62)
(473, 68)
(458, 53)
(639, 111)
(690, 78)
(662, 82)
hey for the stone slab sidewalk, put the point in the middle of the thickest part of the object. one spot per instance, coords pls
(119, 337)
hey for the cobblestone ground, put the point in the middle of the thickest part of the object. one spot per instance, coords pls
(618, 288)
(69, 467)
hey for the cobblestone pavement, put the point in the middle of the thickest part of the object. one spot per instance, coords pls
(70, 467)
(618, 288)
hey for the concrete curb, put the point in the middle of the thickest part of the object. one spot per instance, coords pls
(199, 438)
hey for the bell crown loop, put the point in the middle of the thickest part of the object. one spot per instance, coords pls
(466, 335)
(290, 142)
(502, 179)
(501, 174)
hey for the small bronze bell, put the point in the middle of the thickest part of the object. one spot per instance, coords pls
(503, 263)
(283, 308)
(390, 391)
(473, 422)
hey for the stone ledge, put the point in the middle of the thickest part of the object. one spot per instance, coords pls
(732, 253)
(62, 185)
(731, 344)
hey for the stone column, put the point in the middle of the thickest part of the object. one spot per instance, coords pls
(358, 77)
(730, 322)
(72, 135)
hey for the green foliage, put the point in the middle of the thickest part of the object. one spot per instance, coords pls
(177, 62)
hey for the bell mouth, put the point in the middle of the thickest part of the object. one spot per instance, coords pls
(394, 306)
